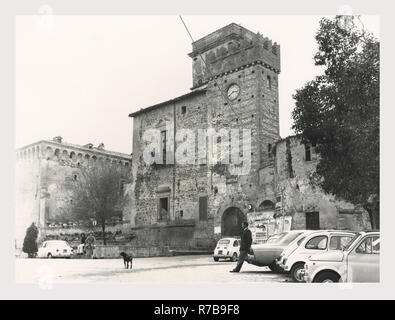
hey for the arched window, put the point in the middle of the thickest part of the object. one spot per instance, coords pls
(57, 152)
(48, 153)
(266, 205)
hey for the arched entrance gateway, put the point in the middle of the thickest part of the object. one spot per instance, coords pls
(231, 222)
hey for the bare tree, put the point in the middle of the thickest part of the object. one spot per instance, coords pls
(98, 193)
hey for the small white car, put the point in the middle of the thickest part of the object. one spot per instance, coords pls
(55, 248)
(358, 262)
(293, 259)
(266, 254)
(227, 248)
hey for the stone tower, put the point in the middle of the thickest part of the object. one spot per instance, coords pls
(239, 69)
(236, 56)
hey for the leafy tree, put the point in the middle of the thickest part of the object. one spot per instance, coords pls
(339, 111)
(30, 241)
(98, 194)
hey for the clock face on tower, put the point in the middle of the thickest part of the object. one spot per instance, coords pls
(233, 91)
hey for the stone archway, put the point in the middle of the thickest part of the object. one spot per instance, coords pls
(231, 222)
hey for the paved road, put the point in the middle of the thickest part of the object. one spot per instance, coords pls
(181, 269)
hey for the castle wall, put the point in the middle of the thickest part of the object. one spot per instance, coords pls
(45, 174)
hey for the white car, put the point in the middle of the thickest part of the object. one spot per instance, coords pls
(266, 254)
(358, 262)
(55, 248)
(293, 259)
(227, 248)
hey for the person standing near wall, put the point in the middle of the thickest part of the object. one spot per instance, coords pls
(90, 245)
(81, 246)
(245, 246)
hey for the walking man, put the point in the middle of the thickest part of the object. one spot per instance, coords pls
(246, 240)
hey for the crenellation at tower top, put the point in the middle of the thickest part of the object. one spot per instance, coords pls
(231, 47)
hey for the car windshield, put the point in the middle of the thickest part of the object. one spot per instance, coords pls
(351, 242)
(224, 242)
(288, 237)
(273, 238)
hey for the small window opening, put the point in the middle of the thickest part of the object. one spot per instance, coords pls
(308, 152)
(269, 82)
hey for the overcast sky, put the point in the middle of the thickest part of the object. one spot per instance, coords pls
(80, 76)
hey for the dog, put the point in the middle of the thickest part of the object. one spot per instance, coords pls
(127, 258)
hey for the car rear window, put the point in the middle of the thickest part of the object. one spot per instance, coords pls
(317, 243)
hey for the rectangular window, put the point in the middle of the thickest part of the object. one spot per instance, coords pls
(307, 152)
(269, 150)
(203, 208)
(163, 209)
(312, 220)
(183, 110)
(269, 82)
(219, 140)
(163, 141)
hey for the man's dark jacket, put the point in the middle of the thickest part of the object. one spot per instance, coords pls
(246, 240)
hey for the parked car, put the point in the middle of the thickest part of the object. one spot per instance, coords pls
(358, 262)
(265, 254)
(294, 258)
(55, 248)
(227, 248)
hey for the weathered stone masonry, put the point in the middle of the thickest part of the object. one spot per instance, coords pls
(190, 206)
(277, 184)
(45, 172)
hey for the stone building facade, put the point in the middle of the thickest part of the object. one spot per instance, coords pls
(235, 86)
(45, 173)
(310, 207)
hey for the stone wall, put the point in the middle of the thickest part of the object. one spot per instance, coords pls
(254, 67)
(300, 196)
(231, 47)
(45, 173)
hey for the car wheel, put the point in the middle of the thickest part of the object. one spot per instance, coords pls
(49, 256)
(234, 257)
(296, 272)
(216, 259)
(327, 277)
(275, 268)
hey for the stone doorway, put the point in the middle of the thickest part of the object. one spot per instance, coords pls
(231, 223)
